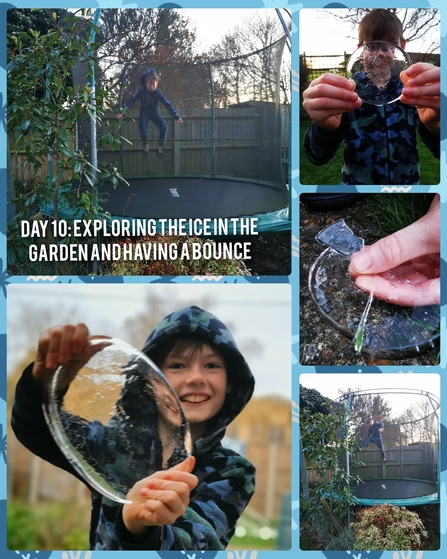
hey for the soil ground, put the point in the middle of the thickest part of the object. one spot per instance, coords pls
(270, 254)
(320, 343)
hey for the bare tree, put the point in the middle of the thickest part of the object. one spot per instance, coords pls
(418, 423)
(249, 60)
(417, 23)
(139, 36)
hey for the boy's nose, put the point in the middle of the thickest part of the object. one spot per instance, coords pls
(195, 375)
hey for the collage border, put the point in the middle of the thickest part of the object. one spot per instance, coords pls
(293, 278)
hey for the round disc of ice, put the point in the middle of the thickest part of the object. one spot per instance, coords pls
(115, 417)
(375, 67)
(390, 331)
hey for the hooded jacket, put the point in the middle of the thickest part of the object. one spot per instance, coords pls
(380, 144)
(226, 480)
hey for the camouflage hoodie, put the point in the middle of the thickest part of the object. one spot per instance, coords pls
(380, 145)
(226, 480)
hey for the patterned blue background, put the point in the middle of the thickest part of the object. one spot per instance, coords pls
(294, 7)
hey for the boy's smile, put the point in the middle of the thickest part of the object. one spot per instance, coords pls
(200, 380)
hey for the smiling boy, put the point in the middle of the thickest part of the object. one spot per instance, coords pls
(196, 504)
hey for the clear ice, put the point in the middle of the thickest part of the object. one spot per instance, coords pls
(119, 420)
(340, 237)
(383, 330)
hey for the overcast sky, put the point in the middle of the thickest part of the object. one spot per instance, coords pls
(329, 385)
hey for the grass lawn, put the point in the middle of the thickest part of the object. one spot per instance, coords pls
(331, 172)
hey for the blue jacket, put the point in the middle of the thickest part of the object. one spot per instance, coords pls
(374, 433)
(226, 479)
(380, 145)
(149, 103)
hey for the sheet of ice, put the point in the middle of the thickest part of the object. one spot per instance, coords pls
(340, 237)
(383, 330)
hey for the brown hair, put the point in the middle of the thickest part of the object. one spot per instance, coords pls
(380, 25)
(192, 343)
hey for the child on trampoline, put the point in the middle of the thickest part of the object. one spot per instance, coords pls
(375, 431)
(149, 96)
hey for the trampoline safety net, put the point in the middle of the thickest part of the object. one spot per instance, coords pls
(224, 160)
(406, 467)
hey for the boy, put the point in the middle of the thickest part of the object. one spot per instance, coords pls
(149, 95)
(196, 504)
(375, 431)
(380, 144)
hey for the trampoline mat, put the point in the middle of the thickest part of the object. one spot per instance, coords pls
(178, 197)
(394, 489)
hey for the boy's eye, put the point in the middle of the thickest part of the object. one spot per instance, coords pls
(175, 366)
(214, 365)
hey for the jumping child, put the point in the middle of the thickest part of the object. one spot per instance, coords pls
(149, 96)
(375, 431)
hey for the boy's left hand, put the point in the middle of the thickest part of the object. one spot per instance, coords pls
(423, 89)
(160, 498)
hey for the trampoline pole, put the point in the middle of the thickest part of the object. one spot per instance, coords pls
(93, 127)
(213, 123)
(401, 454)
(120, 103)
(435, 412)
(348, 469)
(286, 29)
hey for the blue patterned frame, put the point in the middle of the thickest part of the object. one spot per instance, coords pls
(293, 280)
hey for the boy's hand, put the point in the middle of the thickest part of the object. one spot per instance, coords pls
(328, 97)
(161, 498)
(180, 120)
(423, 89)
(57, 346)
(403, 268)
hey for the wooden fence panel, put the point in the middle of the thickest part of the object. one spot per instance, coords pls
(244, 144)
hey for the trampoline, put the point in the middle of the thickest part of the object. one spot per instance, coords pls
(228, 159)
(180, 197)
(397, 491)
(409, 476)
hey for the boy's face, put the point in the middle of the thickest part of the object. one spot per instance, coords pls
(151, 84)
(200, 381)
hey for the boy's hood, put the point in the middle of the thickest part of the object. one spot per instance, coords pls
(208, 327)
(146, 73)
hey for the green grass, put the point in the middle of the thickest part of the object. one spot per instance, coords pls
(394, 211)
(331, 172)
(47, 525)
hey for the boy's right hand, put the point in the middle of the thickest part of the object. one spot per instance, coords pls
(56, 346)
(328, 97)
(161, 498)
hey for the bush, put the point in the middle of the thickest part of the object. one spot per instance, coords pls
(175, 266)
(47, 525)
(387, 527)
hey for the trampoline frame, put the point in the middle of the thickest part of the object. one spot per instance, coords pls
(430, 498)
(278, 219)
